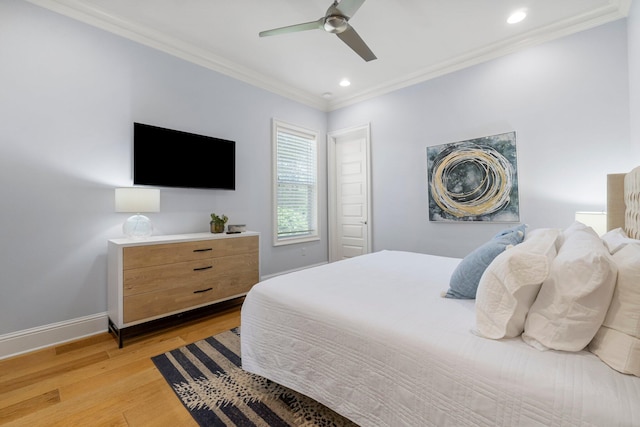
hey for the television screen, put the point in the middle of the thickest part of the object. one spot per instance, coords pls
(172, 158)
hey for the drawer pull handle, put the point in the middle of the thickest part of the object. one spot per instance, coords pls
(202, 290)
(203, 250)
(203, 268)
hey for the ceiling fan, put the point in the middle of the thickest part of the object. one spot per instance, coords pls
(335, 21)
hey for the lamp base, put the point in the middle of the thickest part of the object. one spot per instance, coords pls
(137, 227)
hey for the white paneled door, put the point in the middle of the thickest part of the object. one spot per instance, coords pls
(349, 193)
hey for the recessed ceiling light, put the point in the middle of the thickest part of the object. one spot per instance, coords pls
(327, 95)
(344, 82)
(517, 16)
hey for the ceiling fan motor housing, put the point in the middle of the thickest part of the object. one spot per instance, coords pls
(335, 24)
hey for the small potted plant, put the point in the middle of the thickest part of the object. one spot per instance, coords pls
(217, 223)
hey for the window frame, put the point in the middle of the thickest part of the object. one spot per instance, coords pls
(314, 234)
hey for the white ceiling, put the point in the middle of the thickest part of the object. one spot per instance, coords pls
(414, 40)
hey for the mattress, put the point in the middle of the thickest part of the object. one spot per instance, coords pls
(372, 338)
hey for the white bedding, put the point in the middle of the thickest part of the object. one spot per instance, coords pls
(371, 338)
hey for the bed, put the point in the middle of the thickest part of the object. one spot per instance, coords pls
(372, 338)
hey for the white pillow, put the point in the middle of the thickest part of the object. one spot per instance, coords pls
(624, 311)
(617, 239)
(618, 350)
(510, 284)
(575, 297)
(617, 342)
(576, 226)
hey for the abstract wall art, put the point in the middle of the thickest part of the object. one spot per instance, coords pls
(474, 180)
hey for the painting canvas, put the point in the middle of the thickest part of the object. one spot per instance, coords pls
(474, 180)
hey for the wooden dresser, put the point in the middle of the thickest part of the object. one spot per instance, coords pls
(165, 278)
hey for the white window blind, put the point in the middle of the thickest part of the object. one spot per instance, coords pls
(295, 184)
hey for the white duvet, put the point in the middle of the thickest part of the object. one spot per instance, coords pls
(371, 338)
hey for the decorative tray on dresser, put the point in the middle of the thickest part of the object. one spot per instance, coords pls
(159, 280)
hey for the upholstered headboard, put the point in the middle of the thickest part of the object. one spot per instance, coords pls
(632, 202)
(623, 202)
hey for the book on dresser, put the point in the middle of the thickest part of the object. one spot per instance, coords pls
(164, 279)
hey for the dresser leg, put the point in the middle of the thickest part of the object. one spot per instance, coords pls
(113, 329)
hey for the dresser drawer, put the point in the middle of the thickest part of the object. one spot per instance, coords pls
(159, 303)
(231, 276)
(150, 255)
(159, 277)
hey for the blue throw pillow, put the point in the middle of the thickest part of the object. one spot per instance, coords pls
(466, 277)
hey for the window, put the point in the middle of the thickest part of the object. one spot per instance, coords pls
(295, 182)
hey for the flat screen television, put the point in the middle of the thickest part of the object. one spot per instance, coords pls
(171, 158)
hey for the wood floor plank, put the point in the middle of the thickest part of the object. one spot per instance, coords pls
(89, 376)
(26, 361)
(134, 391)
(93, 382)
(19, 382)
(82, 387)
(161, 408)
(93, 340)
(34, 404)
(100, 406)
(52, 358)
(49, 361)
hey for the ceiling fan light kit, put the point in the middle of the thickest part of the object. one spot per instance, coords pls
(335, 21)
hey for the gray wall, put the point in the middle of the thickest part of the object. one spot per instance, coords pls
(69, 96)
(567, 100)
(634, 77)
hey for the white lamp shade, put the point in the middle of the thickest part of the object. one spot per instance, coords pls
(135, 199)
(595, 220)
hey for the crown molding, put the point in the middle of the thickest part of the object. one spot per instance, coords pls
(95, 17)
(615, 9)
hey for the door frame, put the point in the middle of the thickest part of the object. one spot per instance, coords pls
(332, 140)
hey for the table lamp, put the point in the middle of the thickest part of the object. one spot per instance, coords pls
(595, 220)
(138, 200)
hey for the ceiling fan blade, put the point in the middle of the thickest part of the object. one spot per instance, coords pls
(314, 25)
(349, 7)
(353, 40)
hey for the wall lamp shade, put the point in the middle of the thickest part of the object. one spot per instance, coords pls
(595, 220)
(137, 200)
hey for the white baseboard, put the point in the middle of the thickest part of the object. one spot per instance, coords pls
(32, 339)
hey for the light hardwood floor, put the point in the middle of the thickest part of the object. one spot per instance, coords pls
(91, 382)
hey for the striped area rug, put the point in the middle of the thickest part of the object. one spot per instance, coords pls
(208, 378)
